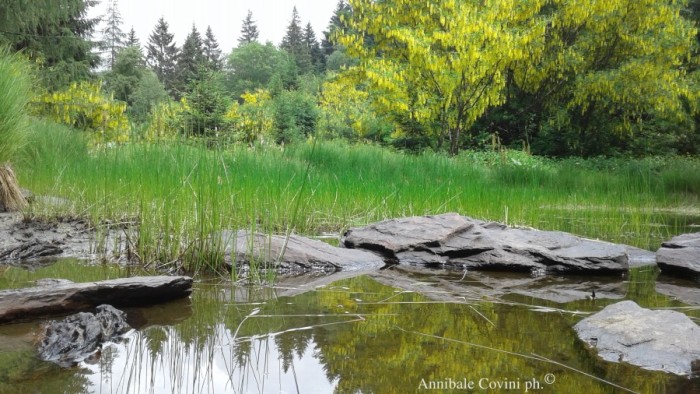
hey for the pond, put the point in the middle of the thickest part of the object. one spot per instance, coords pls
(371, 334)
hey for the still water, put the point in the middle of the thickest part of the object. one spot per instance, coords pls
(368, 334)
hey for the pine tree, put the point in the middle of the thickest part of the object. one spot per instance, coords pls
(132, 40)
(191, 63)
(249, 31)
(342, 11)
(113, 38)
(212, 53)
(162, 54)
(293, 43)
(318, 60)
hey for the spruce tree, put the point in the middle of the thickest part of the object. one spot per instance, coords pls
(342, 11)
(113, 38)
(162, 55)
(249, 31)
(55, 35)
(293, 43)
(191, 63)
(132, 40)
(212, 53)
(318, 60)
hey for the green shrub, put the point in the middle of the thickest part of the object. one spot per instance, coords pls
(295, 116)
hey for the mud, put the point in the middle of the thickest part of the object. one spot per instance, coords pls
(32, 242)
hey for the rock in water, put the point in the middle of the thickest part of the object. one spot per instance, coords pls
(300, 253)
(655, 340)
(62, 298)
(680, 255)
(463, 242)
(78, 336)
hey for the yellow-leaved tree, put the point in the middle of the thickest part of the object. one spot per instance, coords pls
(441, 64)
(614, 61)
(252, 121)
(438, 63)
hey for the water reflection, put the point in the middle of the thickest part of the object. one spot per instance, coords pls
(357, 335)
(220, 365)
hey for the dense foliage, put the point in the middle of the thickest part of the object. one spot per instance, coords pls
(551, 77)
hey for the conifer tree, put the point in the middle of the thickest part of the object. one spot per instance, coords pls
(312, 45)
(342, 11)
(161, 54)
(55, 35)
(293, 43)
(212, 53)
(132, 40)
(191, 63)
(113, 38)
(249, 31)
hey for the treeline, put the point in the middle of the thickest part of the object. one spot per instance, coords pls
(553, 77)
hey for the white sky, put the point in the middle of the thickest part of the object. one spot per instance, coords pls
(224, 16)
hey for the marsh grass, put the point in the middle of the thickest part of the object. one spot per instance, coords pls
(179, 195)
(15, 89)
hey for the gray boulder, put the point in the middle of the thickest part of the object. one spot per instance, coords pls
(79, 336)
(295, 253)
(680, 255)
(67, 297)
(459, 241)
(660, 340)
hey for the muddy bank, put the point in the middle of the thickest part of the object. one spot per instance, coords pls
(33, 242)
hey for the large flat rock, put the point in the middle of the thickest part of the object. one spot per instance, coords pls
(659, 340)
(454, 240)
(680, 255)
(22, 304)
(293, 253)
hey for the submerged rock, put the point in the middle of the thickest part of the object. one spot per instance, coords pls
(687, 293)
(680, 255)
(454, 240)
(295, 253)
(660, 340)
(451, 285)
(79, 336)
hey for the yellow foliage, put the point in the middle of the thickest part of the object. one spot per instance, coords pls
(84, 106)
(343, 105)
(438, 62)
(164, 122)
(253, 120)
(443, 63)
(621, 56)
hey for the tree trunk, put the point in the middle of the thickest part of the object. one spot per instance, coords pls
(11, 197)
(454, 140)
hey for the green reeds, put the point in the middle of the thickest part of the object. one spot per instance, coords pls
(15, 88)
(180, 195)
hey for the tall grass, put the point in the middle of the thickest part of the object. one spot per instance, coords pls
(178, 195)
(15, 88)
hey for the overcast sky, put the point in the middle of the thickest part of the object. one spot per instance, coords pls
(224, 16)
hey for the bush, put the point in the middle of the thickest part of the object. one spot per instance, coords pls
(84, 106)
(252, 121)
(295, 116)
